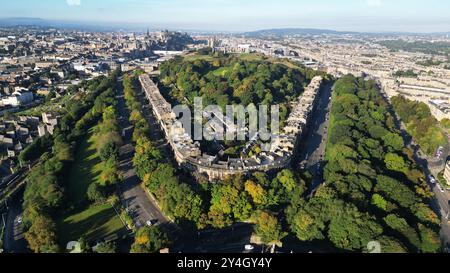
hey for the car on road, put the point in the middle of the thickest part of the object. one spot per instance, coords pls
(249, 247)
(151, 223)
(19, 220)
(432, 179)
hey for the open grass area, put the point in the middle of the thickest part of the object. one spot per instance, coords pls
(95, 223)
(251, 57)
(85, 170)
(194, 57)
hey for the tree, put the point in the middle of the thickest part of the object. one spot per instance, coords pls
(41, 236)
(400, 225)
(395, 141)
(227, 200)
(106, 248)
(257, 192)
(306, 225)
(391, 245)
(95, 193)
(430, 241)
(425, 214)
(268, 228)
(287, 179)
(109, 151)
(396, 163)
(352, 230)
(396, 191)
(149, 240)
(379, 202)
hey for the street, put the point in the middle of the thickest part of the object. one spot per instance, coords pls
(14, 236)
(313, 147)
(139, 205)
(228, 240)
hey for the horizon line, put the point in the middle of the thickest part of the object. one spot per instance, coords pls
(144, 25)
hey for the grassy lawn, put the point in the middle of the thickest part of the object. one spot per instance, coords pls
(194, 57)
(96, 221)
(251, 57)
(85, 170)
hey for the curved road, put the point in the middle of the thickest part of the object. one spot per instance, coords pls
(139, 204)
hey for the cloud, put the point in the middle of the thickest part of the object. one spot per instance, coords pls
(374, 3)
(73, 2)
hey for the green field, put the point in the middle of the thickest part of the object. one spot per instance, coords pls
(96, 221)
(194, 57)
(85, 170)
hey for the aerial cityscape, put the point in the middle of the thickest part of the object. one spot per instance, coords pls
(150, 127)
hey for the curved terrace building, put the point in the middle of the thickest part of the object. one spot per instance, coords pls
(188, 153)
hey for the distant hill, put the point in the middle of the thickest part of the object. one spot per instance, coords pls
(283, 32)
(23, 21)
(62, 24)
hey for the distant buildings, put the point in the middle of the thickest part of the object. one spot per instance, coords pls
(440, 109)
(17, 98)
(360, 55)
(46, 61)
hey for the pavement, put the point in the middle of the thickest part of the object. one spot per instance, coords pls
(313, 148)
(139, 204)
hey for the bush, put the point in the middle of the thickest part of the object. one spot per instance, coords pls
(95, 193)
(109, 152)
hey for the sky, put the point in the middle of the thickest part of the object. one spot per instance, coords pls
(245, 15)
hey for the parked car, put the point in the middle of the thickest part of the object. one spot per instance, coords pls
(249, 247)
(432, 179)
(151, 223)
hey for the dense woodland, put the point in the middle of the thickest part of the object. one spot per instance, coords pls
(234, 79)
(420, 124)
(374, 191)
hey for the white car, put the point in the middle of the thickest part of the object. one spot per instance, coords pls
(19, 220)
(432, 179)
(151, 223)
(249, 247)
